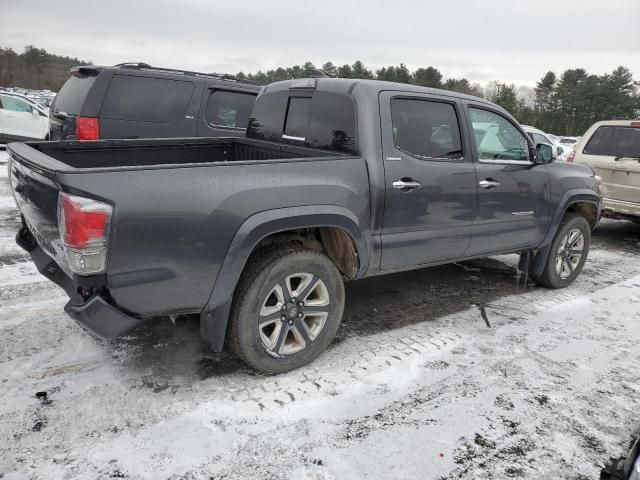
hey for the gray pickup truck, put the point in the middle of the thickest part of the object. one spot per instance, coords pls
(336, 180)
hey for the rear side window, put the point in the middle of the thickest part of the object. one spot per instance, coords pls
(145, 99)
(614, 141)
(426, 129)
(229, 109)
(72, 94)
(325, 120)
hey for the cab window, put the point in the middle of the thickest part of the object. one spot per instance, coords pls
(426, 129)
(320, 119)
(496, 138)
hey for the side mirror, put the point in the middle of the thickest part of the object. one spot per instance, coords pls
(560, 150)
(544, 153)
(35, 112)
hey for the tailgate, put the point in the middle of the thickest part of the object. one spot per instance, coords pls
(36, 193)
(620, 178)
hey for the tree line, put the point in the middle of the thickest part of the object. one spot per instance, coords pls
(35, 68)
(565, 105)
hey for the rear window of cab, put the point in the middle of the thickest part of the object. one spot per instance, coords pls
(618, 141)
(323, 120)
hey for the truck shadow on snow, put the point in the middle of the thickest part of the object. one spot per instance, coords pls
(373, 305)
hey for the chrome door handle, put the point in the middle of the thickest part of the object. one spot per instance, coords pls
(489, 183)
(406, 184)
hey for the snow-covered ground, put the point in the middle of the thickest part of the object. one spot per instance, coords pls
(415, 385)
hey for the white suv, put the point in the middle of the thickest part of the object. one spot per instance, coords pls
(21, 120)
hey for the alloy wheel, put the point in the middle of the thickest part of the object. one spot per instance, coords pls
(569, 253)
(294, 313)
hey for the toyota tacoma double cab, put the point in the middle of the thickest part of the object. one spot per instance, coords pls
(336, 180)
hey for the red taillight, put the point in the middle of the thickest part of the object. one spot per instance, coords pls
(87, 128)
(80, 227)
(84, 230)
(635, 124)
(571, 156)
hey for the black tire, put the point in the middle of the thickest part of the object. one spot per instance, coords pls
(550, 277)
(256, 293)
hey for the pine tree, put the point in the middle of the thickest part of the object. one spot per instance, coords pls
(330, 69)
(345, 71)
(360, 71)
(428, 77)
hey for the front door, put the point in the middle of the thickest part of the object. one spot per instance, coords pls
(513, 193)
(430, 180)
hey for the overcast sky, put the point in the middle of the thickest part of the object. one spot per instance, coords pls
(508, 40)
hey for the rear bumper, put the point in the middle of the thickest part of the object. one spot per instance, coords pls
(619, 208)
(94, 313)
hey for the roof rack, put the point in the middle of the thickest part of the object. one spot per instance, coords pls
(146, 66)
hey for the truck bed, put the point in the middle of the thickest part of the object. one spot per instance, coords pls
(177, 206)
(155, 152)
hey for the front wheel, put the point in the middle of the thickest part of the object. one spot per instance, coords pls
(568, 253)
(287, 309)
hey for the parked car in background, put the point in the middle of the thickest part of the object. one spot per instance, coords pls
(538, 136)
(21, 120)
(570, 141)
(29, 99)
(135, 100)
(337, 179)
(612, 150)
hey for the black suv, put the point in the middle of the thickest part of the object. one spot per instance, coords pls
(136, 100)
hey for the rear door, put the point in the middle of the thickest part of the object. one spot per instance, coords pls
(613, 152)
(225, 112)
(430, 180)
(20, 120)
(513, 193)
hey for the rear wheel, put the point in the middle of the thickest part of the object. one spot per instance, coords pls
(568, 253)
(287, 309)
